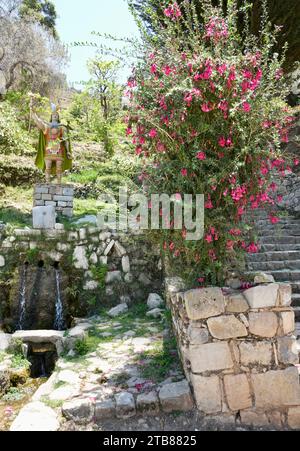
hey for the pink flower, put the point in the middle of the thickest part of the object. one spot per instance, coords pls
(160, 147)
(222, 141)
(207, 107)
(184, 172)
(201, 280)
(273, 219)
(138, 150)
(129, 131)
(296, 162)
(223, 105)
(212, 255)
(209, 238)
(153, 133)
(252, 248)
(246, 107)
(153, 68)
(172, 246)
(167, 70)
(201, 156)
(209, 205)
(222, 69)
(142, 140)
(247, 74)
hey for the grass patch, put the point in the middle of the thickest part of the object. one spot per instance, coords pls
(160, 360)
(14, 394)
(52, 403)
(18, 361)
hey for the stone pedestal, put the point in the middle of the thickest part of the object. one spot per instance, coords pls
(58, 196)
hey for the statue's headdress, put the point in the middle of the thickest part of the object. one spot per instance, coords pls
(54, 110)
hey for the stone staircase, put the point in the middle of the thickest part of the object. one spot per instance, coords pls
(279, 253)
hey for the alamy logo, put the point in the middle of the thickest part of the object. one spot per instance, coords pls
(157, 212)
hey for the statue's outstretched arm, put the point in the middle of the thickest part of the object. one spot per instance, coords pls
(42, 125)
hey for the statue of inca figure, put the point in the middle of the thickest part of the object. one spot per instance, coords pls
(54, 149)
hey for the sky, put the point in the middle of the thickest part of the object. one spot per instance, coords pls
(78, 18)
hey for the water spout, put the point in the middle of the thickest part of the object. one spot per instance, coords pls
(22, 303)
(59, 319)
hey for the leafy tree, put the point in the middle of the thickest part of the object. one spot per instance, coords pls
(42, 11)
(103, 85)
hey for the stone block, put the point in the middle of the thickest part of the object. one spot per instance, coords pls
(120, 250)
(80, 258)
(285, 294)
(148, 403)
(176, 397)
(62, 204)
(68, 192)
(39, 203)
(80, 411)
(287, 323)
(207, 393)
(113, 277)
(125, 405)
(262, 296)
(35, 417)
(63, 198)
(40, 189)
(252, 418)
(237, 391)
(154, 301)
(203, 303)
(263, 324)
(287, 350)
(109, 247)
(262, 277)
(46, 197)
(236, 304)
(125, 264)
(256, 353)
(210, 357)
(225, 327)
(68, 212)
(44, 217)
(118, 310)
(293, 418)
(5, 341)
(197, 335)
(105, 409)
(2, 261)
(276, 388)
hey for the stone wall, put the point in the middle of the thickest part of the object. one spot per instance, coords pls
(239, 352)
(59, 196)
(96, 269)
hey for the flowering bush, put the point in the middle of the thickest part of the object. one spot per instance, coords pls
(208, 116)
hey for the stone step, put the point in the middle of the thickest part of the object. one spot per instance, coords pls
(297, 318)
(296, 301)
(272, 239)
(279, 247)
(281, 276)
(279, 233)
(274, 256)
(274, 265)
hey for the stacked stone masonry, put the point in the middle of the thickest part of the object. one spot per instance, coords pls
(59, 196)
(109, 266)
(239, 352)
